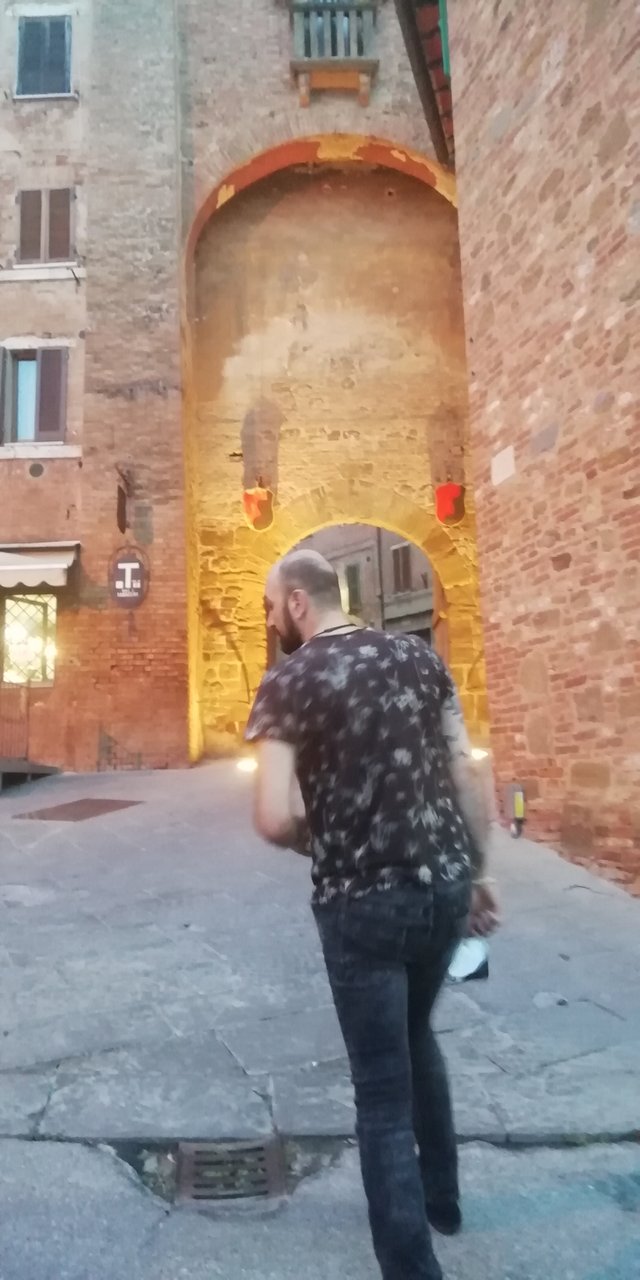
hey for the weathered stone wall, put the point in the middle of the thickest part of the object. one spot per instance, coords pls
(315, 328)
(546, 104)
(238, 98)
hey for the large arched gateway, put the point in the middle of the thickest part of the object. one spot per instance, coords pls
(326, 384)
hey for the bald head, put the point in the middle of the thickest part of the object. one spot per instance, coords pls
(309, 571)
(302, 590)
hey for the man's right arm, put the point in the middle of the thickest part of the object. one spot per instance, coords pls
(466, 780)
(484, 916)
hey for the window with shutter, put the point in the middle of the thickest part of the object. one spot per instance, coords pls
(402, 568)
(45, 225)
(44, 56)
(33, 394)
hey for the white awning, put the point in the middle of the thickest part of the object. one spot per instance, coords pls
(36, 566)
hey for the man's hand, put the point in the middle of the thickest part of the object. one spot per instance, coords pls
(484, 916)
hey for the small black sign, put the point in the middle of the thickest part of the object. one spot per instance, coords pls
(129, 578)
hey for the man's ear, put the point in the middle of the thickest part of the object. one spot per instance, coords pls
(297, 603)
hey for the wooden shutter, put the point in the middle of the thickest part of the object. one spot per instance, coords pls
(354, 593)
(397, 585)
(57, 70)
(30, 226)
(52, 393)
(60, 225)
(4, 398)
(406, 568)
(402, 568)
(31, 59)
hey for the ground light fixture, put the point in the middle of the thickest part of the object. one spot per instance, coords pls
(247, 764)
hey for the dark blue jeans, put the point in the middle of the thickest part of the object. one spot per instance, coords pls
(387, 955)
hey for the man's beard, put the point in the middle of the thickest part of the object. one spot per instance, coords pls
(290, 638)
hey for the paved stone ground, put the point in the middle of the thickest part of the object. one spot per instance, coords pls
(162, 980)
(69, 1213)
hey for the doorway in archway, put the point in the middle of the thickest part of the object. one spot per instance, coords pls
(386, 582)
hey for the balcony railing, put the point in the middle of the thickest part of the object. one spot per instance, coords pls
(333, 46)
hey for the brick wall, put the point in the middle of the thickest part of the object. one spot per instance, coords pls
(134, 664)
(546, 113)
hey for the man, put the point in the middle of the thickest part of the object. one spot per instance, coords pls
(368, 724)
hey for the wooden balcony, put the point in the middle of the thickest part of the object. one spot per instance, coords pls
(333, 47)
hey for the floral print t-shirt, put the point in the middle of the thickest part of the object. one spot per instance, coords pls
(364, 711)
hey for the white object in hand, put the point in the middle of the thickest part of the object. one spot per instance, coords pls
(470, 956)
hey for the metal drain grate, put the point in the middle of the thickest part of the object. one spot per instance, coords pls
(77, 810)
(209, 1171)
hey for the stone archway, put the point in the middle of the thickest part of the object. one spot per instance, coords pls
(322, 149)
(327, 356)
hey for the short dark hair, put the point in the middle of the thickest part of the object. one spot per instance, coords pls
(309, 571)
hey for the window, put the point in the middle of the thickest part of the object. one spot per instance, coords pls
(28, 639)
(333, 46)
(33, 393)
(354, 591)
(44, 56)
(45, 226)
(401, 558)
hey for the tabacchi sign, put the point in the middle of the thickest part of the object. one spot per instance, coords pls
(129, 577)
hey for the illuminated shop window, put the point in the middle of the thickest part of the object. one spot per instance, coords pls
(28, 639)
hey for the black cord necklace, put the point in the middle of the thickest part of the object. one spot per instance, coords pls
(342, 626)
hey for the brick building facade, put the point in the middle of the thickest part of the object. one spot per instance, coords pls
(547, 119)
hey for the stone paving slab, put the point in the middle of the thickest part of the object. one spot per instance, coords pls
(73, 1035)
(177, 1090)
(23, 1098)
(314, 1100)
(161, 970)
(286, 1040)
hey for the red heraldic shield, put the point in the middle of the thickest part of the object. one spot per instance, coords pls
(450, 503)
(258, 508)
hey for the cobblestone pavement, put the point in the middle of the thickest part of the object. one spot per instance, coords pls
(162, 979)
